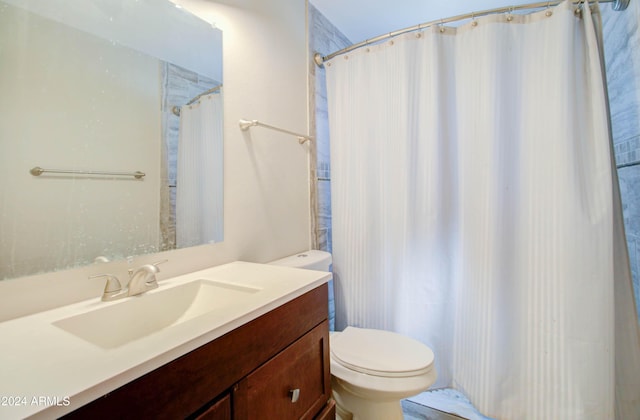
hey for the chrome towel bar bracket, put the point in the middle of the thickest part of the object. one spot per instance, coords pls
(246, 124)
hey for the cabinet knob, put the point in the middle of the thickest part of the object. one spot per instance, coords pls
(295, 394)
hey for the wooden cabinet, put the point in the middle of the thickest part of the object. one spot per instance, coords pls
(252, 372)
(289, 386)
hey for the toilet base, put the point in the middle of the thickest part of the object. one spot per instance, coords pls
(353, 407)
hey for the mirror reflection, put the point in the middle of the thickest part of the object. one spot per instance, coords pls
(92, 92)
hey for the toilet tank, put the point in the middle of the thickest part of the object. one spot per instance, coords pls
(309, 260)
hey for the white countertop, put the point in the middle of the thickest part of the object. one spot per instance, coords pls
(46, 372)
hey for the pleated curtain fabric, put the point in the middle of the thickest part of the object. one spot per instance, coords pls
(199, 203)
(474, 209)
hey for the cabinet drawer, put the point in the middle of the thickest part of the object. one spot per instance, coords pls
(295, 384)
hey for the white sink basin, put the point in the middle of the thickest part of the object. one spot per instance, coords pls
(133, 318)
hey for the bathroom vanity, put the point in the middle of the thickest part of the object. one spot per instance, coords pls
(263, 355)
(252, 372)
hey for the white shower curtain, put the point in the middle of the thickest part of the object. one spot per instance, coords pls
(473, 208)
(199, 204)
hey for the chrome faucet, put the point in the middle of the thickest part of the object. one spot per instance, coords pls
(141, 280)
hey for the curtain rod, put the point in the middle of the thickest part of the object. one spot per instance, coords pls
(213, 89)
(176, 108)
(319, 59)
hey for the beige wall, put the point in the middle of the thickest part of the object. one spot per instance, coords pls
(49, 77)
(266, 173)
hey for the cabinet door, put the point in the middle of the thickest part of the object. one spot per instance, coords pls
(295, 384)
(328, 413)
(220, 410)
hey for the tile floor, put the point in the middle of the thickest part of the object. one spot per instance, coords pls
(440, 404)
(415, 411)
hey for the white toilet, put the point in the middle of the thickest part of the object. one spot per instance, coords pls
(371, 370)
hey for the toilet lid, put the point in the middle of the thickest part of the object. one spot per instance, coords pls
(380, 353)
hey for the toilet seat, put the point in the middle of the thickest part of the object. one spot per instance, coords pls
(380, 353)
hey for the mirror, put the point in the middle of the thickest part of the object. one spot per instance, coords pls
(89, 92)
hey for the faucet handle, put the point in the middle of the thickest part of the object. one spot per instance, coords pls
(112, 289)
(153, 267)
(155, 270)
(159, 262)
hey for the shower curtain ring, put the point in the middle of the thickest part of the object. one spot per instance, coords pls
(548, 12)
(509, 15)
(442, 29)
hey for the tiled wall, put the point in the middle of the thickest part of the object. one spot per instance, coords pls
(622, 58)
(324, 38)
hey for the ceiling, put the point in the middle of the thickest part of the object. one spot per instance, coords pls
(359, 20)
